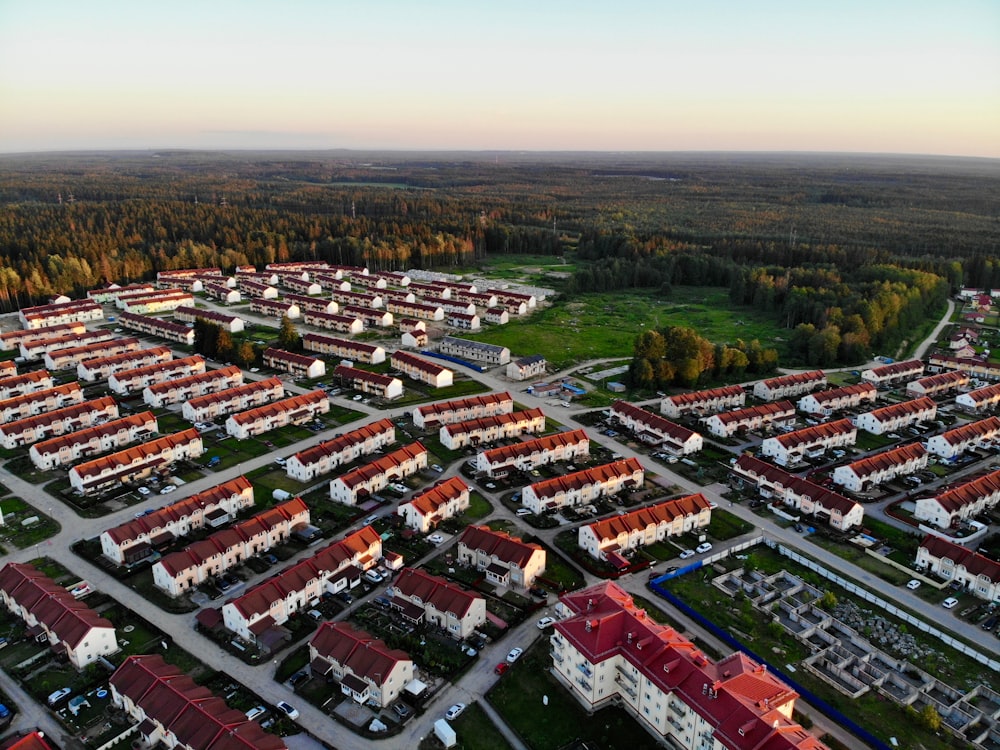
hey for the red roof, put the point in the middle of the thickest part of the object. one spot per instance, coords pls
(357, 651)
(795, 378)
(815, 434)
(969, 432)
(654, 422)
(697, 397)
(652, 515)
(490, 400)
(364, 474)
(339, 444)
(487, 423)
(282, 406)
(443, 595)
(889, 459)
(506, 454)
(506, 548)
(417, 363)
(904, 409)
(976, 564)
(585, 477)
(967, 493)
(441, 493)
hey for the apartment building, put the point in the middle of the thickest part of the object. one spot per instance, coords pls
(367, 670)
(27, 383)
(91, 441)
(314, 304)
(136, 462)
(422, 370)
(364, 481)
(789, 386)
(273, 308)
(938, 385)
(415, 310)
(810, 442)
(703, 402)
(171, 275)
(160, 327)
(357, 299)
(505, 560)
(432, 416)
(443, 500)
(370, 317)
(175, 391)
(384, 387)
(952, 443)
(137, 539)
(102, 368)
(75, 311)
(475, 351)
(869, 472)
(57, 422)
(655, 430)
(222, 293)
(154, 302)
(172, 710)
(475, 432)
(301, 286)
(526, 368)
(71, 356)
(897, 416)
(298, 365)
(343, 323)
(332, 346)
(257, 289)
(111, 292)
(751, 419)
(894, 373)
(132, 381)
(828, 402)
(807, 497)
(13, 339)
(38, 402)
(583, 487)
(51, 612)
(530, 454)
(39, 346)
(975, 573)
(979, 400)
(231, 323)
(237, 398)
(328, 455)
(414, 339)
(610, 539)
(422, 597)
(974, 367)
(960, 502)
(181, 571)
(293, 410)
(609, 651)
(497, 316)
(254, 615)
(479, 299)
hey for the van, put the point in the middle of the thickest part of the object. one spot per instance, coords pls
(369, 520)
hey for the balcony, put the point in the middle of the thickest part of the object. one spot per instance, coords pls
(557, 657)
(585, 669)
(627, 675)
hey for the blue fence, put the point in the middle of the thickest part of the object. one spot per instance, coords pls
(725, 637)
(456, 360)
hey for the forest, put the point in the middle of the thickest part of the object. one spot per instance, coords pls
(847, 252)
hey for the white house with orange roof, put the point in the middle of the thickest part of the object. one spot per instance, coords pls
(530, 454)
(292, 410)
(361, 483)
(583, 487)
(869, 472)
(439, 502)
(136, 462)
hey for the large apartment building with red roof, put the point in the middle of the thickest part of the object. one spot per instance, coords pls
(439, 502)
(58, 422)
(655, 430)
(960, 502)
(701, 402)
(789, 386)
(869, 472)
(486, 430)
(174, 391)
(432, 416)
(359, 484)
(91, 441)
(792, 447)
(975, 573)
(292, 410)
(240, 397)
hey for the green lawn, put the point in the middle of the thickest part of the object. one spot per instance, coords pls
(476, 732)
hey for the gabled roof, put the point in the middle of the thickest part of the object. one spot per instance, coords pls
(752, 413)
(968, 432)
(778, 477)
(443, 595)
(889, 459)
(236, 392)
(127, 423)
(341, 443)
(955, 498)
(490, 399)
(585, 477)
(366, 376)
(417, 363)
(897, 369)
(280, 355)
(496, 420)
(282, 406)
(795, 378)
(430, 500)
(103, 404)
(833, 394)
(510, 453)
(653, 421)
(976, 564)
(506, 548)
(815, 434)
(903, 409)
(43, 395)
(364, 474)
(711, 394)
(134, 455)
(652, 515)
(223, 373)
(365, 656)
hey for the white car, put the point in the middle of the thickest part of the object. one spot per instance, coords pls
(545, 622)
(913, 585)
(703, 548)
(686, 553)
(524, 512)
(949, 602)
(438, 469)
(288, 710)
(168, 489)
(435, 539)
(142, 490)
(455, 711)
(256, 711)
(514, 655)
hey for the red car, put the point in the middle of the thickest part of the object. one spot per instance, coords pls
(501, 667)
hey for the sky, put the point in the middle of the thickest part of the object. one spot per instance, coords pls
(914, 76)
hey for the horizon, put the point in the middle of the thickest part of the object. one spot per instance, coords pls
(886, 77)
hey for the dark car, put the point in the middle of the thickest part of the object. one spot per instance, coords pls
(539, 592)
(298, 678)
(401, 710)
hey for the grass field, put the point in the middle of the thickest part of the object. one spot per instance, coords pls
(602, 326)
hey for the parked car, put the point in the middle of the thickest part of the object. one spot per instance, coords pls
(538, 592)
(256, 711)
(703, 548)
(545, 622)
(523, 512)
(685, 554)
(288, 710)
(142, 490)
(58, 695)
(436, 468)
(298, 678)
(401, 710)
(949, 603)
(501, 667)
(514, 655)
(168, 489)
(435, 539)
(454, 712)
(913, 585)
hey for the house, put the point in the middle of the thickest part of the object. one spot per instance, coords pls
(431, 416)
(975, 573)
(608, 651)
(357, 299)
(526, 368)
(789, 386)
(38, 402)
(101, 368)
(497, 316)
(137, 462)
(869, 472)
(259, 290)
(257, 615)
(368, 671)
(384, 387)
(314, 304)
(751, 419)
(91, 441)
(175, 391)
(222, 293)
(829, 402)
(655, 430)
(39, 346)
(979, 400)
(236, 398)
(54, 616)
(807, 497)
(357, 351)
(894, 373)
(131, 381)
(299, 365)
(530, 454)
(441, 501)
(415, 310)
(223, 550)
(429, 290)
(369, 316)
(504, 559)
(61, 359)
(164, 329)
(476, 351)
(414, 339)
(583, 487)
(938, 385)
(171, 275)
(155, 302)
(111, 292)
(273, 308)
(13, 339)
(57, 422)
(75, 311)
(24, 384)
(420, 596)
(611, 538)
(960, 502)
(292, 410)
(975, 367)
(421, 370)
(464, 321)
(474, 432)
(231, 323)
(809, 442)
(701, 402)
(479, 299)
(364, 481)
(136, 539)
(897, 416)
(302, 287)
(950, 444)
(326, 456)
(172, 709)
(345, 323)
